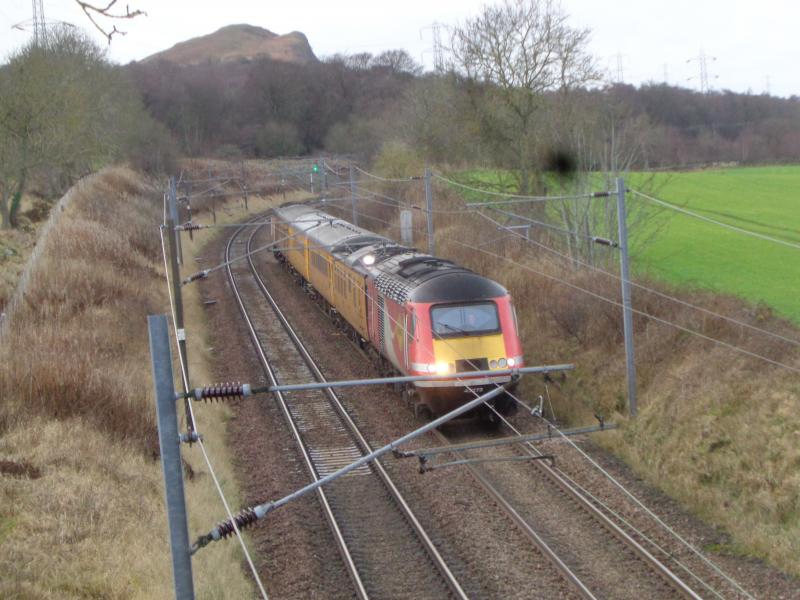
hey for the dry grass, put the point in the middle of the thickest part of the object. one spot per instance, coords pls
(717, 430)
(81, 494)
(16, 245)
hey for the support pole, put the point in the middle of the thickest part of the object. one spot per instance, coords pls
(244, 185)
(429, 211)
(627, 313)
(406, 227)
(353, 194)
(172, 197)
(324, 175)
(175, 276)
(169, 444)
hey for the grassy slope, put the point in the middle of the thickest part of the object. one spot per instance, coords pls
(701, 254)
(87, 518)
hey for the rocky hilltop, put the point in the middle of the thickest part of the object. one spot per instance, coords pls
(239, 42)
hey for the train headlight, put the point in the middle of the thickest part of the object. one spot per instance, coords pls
(442, 368)
(492, 364)
(431, 368)
(511, 362)
(502, 363)
(368, 259)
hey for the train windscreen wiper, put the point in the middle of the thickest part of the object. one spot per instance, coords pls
(456, 329)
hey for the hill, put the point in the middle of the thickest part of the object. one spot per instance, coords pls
(239, 42)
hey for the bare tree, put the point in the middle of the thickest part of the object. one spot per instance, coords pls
(359, 62)
(603, 141)
(63, 111)
(397, 61)
(512, 55)
(97, 14)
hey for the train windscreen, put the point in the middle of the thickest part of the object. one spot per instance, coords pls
(465, 319)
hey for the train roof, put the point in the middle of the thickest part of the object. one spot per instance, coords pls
(401, 273)
(323, 229)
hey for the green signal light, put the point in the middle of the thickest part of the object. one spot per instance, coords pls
(315, 169)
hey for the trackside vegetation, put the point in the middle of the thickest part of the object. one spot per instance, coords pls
(81, 491)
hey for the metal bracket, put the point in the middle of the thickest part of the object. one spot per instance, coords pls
(190, 437)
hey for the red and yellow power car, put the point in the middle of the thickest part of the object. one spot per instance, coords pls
(416, 313)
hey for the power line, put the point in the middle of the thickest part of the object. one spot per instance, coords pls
(39, 26)
(516, 198)
(702, 60)
(387, 179)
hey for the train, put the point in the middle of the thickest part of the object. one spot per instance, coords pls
(413, 313)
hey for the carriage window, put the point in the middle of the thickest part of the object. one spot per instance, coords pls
(465, 319)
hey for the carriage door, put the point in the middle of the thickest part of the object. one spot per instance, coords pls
(405, 340)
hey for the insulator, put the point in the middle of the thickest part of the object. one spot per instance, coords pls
(244, 519)
(200, 275)
(605, 242)
(189, 226)
(222, 391)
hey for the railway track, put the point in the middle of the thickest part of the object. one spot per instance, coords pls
(622, 516)
(592, 552)
(384, 548)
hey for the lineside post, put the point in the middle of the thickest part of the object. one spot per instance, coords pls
(324, 175)
(353, 194)
(175, 277)
(169, 444)
(429, 205)
(244, 185)
(172, 197)
(627, 312)
(406, 227)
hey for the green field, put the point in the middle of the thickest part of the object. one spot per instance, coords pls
(691, 252)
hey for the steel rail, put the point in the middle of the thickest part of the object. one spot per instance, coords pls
(427, 543)
(604, 520)
(523, 525)
(352, 571)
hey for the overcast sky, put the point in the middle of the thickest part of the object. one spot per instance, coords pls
(756, 44)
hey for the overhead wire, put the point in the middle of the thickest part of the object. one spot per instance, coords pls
(542, 224)
(517, 198)
(385, 179)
